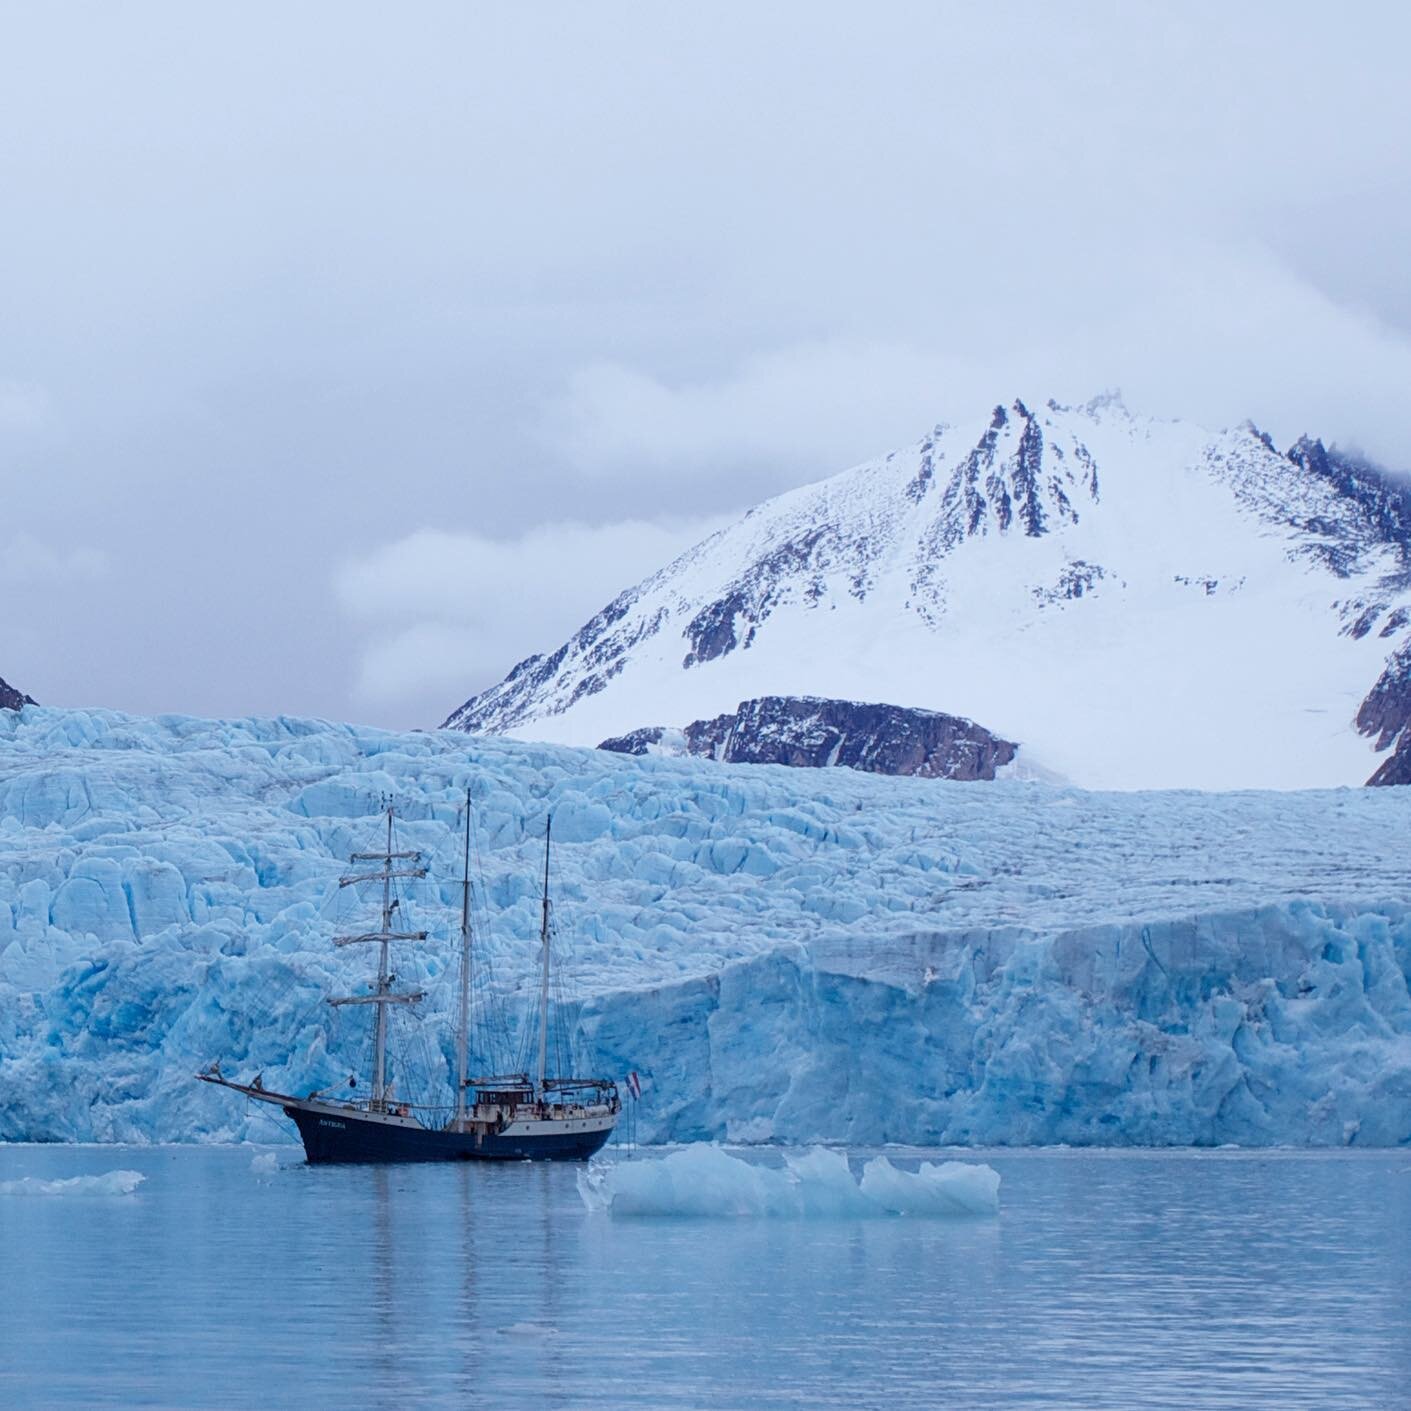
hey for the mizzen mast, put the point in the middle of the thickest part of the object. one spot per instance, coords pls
(463, 1028)
(544, 974)
(393, 865)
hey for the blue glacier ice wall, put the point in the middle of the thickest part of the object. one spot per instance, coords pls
(783, 954)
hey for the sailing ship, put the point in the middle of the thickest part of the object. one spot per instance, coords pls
(501, 1117)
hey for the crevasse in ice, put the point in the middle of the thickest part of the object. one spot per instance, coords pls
(784, 955)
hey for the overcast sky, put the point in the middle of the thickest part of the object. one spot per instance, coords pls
(349, 353)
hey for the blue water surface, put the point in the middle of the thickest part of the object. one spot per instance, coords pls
(1110, 1279)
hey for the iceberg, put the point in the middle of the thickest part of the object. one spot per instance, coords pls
(109, 1183)
(705, 1181)
(784, 956)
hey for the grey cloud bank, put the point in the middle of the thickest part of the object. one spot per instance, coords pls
(304, 306)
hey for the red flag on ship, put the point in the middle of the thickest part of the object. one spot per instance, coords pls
(634, 1085)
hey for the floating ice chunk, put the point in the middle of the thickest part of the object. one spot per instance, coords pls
(109, 1183)
(265, 1164)
(700, 1180)
(706, 1181)
(529, 1330)
(952, 1188)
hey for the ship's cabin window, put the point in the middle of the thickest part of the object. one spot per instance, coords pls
(507, 1097)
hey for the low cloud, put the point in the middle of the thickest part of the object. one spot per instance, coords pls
(24, 406)
(808, 408)
(26, 559)
(1214, 332)
(443, 615)
(734, 249)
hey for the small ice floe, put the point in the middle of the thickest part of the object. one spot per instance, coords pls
(529, 1330)
(109, 1183)
(265, 1164)
(705, 1181)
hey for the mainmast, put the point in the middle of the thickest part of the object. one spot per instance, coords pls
(544, 977)
(463, 1030)
(384, 994)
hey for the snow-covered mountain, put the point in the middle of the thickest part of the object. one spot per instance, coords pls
(1139, 603)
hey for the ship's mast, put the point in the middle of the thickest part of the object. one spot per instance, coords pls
(463, 1031)
(384, 955)
(384, 994)
(544, 976)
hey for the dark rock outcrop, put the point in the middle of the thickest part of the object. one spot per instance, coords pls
(1396, 767)
(11, 699)
(1376, 504)
(811, 732)
(1387, 708)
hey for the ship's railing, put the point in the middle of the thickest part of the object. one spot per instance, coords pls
(568, 1085)
(563, 1097)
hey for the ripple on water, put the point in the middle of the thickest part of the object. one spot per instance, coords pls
(1108, 1280)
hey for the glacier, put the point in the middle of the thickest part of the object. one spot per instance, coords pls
(784, 956)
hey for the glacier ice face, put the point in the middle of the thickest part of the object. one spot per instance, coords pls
(706, 1181)
(783, 955)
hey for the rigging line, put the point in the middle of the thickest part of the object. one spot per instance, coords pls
(413, 1062)
(491, 1015)
(568, 1025)
(499, 1037)
(304, 1016)
(364, 1059)
(567, 1031)
(431, 1057)
(564, 994)
(418, 1069)
(498, 1040)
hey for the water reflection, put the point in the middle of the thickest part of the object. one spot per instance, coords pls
(1108, 1281)
(469, 1338)
(385, 1268)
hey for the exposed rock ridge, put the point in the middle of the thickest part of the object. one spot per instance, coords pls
(11, 699)
(810, 732)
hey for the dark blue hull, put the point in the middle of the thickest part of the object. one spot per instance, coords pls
(330, 1138)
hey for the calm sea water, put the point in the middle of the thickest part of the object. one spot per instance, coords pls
(1109, 1280)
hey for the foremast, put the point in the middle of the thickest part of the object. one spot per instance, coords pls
(393, 866)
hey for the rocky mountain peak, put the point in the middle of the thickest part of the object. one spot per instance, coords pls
(1082, 579)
